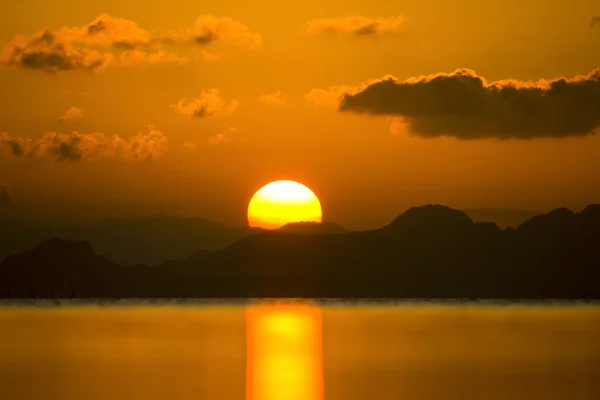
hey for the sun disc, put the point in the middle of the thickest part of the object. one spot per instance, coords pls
(282, 202)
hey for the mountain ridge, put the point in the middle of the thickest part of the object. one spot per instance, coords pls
(430, 251)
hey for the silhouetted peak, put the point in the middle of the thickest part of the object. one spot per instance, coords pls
(431, 217)
(561, 213)
(542, 223)
(62, 248)
(313, 228)
(5, 199)
(592, 211)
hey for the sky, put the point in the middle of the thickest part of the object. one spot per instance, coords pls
(188, 107)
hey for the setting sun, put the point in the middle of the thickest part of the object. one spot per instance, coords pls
(282, 202)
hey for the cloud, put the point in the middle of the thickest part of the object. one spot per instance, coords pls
(272, 98)
(17, 146)
(77, 146)
(190, 148)
(108, 39)
(51, 53)
(208, 104)
(72, 113)
(140, 58)
(208, 29)
(331, 97)
(143, 146)
(108, 31)
(227, 137)
(465, 105)
(595, 21)
(357, 26)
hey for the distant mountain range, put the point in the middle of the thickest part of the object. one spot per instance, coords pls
(151, 240)
(427, 252)
(155, 240)
(313, 228)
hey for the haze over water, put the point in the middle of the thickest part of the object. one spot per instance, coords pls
(301, 351)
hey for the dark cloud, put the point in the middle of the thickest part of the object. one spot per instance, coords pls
(464, 105)
(595, 21)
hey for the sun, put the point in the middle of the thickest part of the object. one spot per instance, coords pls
(282, 202)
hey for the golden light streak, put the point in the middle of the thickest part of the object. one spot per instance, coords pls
(284, 353)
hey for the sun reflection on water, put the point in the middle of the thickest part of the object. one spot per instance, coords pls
(284, 353)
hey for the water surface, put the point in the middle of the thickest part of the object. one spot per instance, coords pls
(298, 351)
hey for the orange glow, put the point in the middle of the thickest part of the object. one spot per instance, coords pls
(281, 202)
(284, 353)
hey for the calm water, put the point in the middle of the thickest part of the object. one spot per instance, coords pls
(299, 351)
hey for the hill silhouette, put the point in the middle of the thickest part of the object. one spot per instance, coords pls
(427, 252)
(157, 239)
(313, 228)
(151, 240)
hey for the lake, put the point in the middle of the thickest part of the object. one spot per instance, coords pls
(298, 351)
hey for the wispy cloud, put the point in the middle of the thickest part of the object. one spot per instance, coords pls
(272, 98)
(110, 40)
(72, 113)
(190, 148)
(208, 29)
(142, 58)
(208, 104)
(355, 25)
(76, 146)
(227, 136)
(51, 53)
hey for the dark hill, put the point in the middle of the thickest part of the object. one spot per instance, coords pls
(63, 268)
(150, 241)
(427, 252)
(313, 228)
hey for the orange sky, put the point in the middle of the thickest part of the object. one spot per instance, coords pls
(188, 107)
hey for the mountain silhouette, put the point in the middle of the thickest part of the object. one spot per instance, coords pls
(313, 228)
(155, 240)
(151, 240)
(427, 252)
